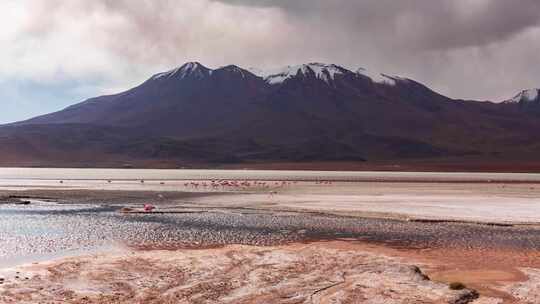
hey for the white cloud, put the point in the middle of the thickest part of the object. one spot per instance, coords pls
(463, 48)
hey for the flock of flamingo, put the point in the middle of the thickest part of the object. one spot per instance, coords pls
(227, 185)
(243, 184)
(236, 184)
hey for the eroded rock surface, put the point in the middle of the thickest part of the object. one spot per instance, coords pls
(333, 272)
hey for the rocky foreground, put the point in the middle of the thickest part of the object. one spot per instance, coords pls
(332, 272)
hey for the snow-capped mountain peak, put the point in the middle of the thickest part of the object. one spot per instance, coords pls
(188, 69)
(322, 71)
(526, 96)
(325, 72)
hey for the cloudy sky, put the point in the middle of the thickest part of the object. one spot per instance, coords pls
(57, 52)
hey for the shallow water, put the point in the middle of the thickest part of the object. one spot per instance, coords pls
(47, 230)
(44, 230)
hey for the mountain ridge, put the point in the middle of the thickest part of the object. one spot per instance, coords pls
(309, 112)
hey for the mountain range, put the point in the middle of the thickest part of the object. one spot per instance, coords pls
(197, 116)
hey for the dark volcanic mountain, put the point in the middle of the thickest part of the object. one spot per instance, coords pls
(311, 112)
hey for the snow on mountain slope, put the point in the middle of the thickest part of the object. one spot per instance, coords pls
(258, 72)
(526, 96)
(379, 77)
(189, 69)
(325, 72)
(322, 71)
(235, 69)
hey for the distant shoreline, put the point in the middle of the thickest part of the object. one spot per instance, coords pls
(163, 179)
(487, 165)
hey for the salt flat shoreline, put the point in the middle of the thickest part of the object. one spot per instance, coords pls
(495, 203)
(88, 174)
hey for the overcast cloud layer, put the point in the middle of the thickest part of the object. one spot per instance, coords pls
(54, 53)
